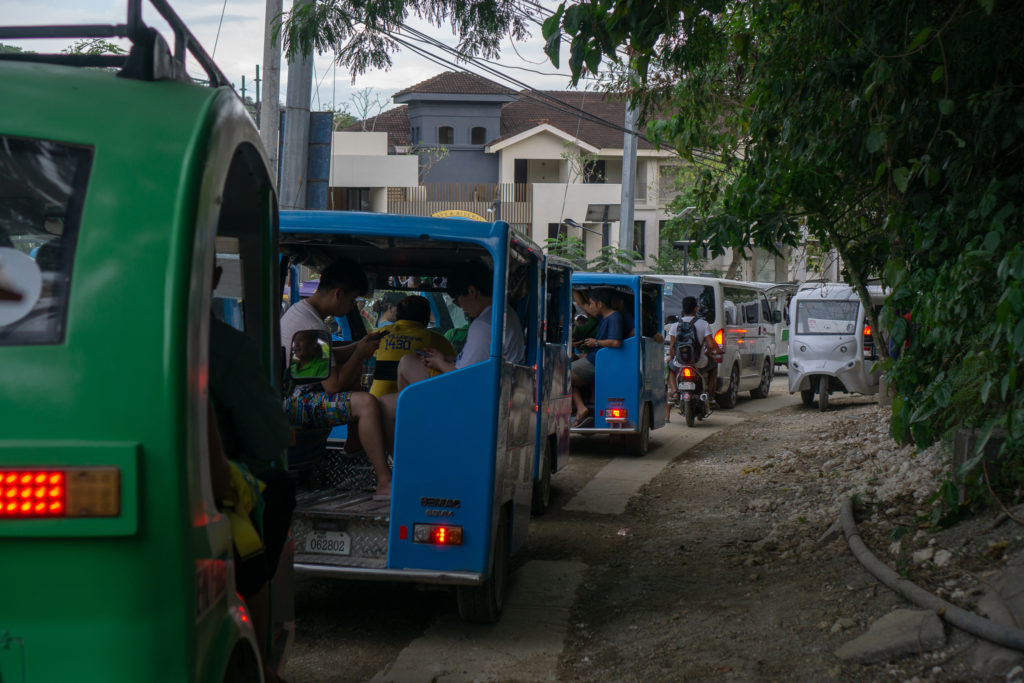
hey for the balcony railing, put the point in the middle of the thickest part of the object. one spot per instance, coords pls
(513, 202)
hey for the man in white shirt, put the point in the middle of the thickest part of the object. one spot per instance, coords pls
(706, 351)
(332, 402)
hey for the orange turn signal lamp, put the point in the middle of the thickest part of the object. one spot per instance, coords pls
(437, 534)
(720, 337)
(60, 492)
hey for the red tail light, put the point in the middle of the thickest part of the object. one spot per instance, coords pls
(40, 493)
(867, 330)
(720, 338)
(688, 372)
(616, 413)
(437, 534)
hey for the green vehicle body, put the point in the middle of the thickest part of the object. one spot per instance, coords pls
(147, 595)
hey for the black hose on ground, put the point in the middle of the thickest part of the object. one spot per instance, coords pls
(1006, 636)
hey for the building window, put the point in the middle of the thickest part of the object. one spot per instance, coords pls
(593, 171)
(414, 135)
(639, 245)
(445, 135)
(357, 199)
(478, 135)
(556, 229)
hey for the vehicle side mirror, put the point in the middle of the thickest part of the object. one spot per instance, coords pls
(776, 316)
(310, 359)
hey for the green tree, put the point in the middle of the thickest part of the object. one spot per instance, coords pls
(94, 46)
(892, 130)
(364, 33)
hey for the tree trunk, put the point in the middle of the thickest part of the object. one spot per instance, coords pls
(734, 265)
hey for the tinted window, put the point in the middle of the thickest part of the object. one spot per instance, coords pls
(478, 135)
(42, 188)
(445, 135)
(675, 292)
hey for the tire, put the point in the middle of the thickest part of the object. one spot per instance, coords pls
(642, 440)
(823, 393)
(690, 421)
(807, 396)
(483, 604)
(542, 485)
(732, 392)
(762, 389)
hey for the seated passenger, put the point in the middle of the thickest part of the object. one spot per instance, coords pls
(332, 401)
(624, 305)
(471, 289)
(407, 335)
(610, 333)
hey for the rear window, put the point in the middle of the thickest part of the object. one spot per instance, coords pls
(42, 188)
(675, 292)
(826, 316)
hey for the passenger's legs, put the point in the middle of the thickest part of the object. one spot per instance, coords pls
(366, 412)
(411, 369)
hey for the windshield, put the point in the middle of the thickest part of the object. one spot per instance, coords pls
(42, 188)
(675, 292)
(826, 316)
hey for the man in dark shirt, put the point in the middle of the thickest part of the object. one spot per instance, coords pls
(611, 330)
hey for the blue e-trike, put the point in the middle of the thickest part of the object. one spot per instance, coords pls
(464, 445)
(554, 389)
(629, 393)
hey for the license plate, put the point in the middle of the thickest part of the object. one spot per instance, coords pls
(328, 543)
(688, 385)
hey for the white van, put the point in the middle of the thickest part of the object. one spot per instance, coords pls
(743, 325)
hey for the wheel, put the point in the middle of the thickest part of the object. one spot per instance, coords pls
(807, 396)
(823, 393)
(542, 484)
(762, 389)
(690, 421)
(482, 604)
(643, 438)
(732, 392)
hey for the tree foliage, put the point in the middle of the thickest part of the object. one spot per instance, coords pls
(889, 130)
(362, 33)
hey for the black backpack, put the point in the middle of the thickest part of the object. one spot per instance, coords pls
(687, 349)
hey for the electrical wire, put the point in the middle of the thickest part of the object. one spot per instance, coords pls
(219, 24)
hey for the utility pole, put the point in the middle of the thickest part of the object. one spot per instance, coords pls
(243, 88)
(628, 179)
(259, 106)
(295, 147)
(270, 118)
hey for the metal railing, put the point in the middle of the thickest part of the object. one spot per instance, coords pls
(511, 202)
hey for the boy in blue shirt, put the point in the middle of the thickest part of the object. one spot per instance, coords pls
(611, 330)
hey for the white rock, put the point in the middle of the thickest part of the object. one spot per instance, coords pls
(923, 555)
(942, 557)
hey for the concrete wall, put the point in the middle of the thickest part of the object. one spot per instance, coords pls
(374, 171)
(360, 144)
(466, 162)
(463, 165)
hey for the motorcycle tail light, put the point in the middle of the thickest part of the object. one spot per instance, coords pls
(688, 373)
(720, 337)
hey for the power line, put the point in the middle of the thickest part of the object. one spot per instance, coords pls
(527, 92)
(219, 24)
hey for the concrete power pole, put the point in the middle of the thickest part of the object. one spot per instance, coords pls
(295, 150)
(270, 118)
(628, 179)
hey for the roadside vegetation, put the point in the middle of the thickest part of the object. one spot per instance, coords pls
(892, 132)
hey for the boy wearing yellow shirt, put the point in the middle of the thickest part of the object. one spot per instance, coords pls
(408, 334)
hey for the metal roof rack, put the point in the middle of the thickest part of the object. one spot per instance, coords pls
(144, 39)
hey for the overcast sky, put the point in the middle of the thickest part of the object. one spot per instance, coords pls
(239, 47)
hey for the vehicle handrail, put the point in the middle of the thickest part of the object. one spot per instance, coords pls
(133, 29)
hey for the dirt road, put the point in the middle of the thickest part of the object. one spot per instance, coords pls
(700, 561)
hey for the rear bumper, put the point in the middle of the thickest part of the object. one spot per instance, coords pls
(406, 575)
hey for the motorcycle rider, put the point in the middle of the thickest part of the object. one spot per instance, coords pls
(709, 350)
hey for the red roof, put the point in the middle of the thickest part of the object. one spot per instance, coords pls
(457, 83)
(394, 122)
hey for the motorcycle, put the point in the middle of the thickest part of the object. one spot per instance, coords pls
(694, 401)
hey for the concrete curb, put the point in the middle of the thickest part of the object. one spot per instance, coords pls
(958, 617)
